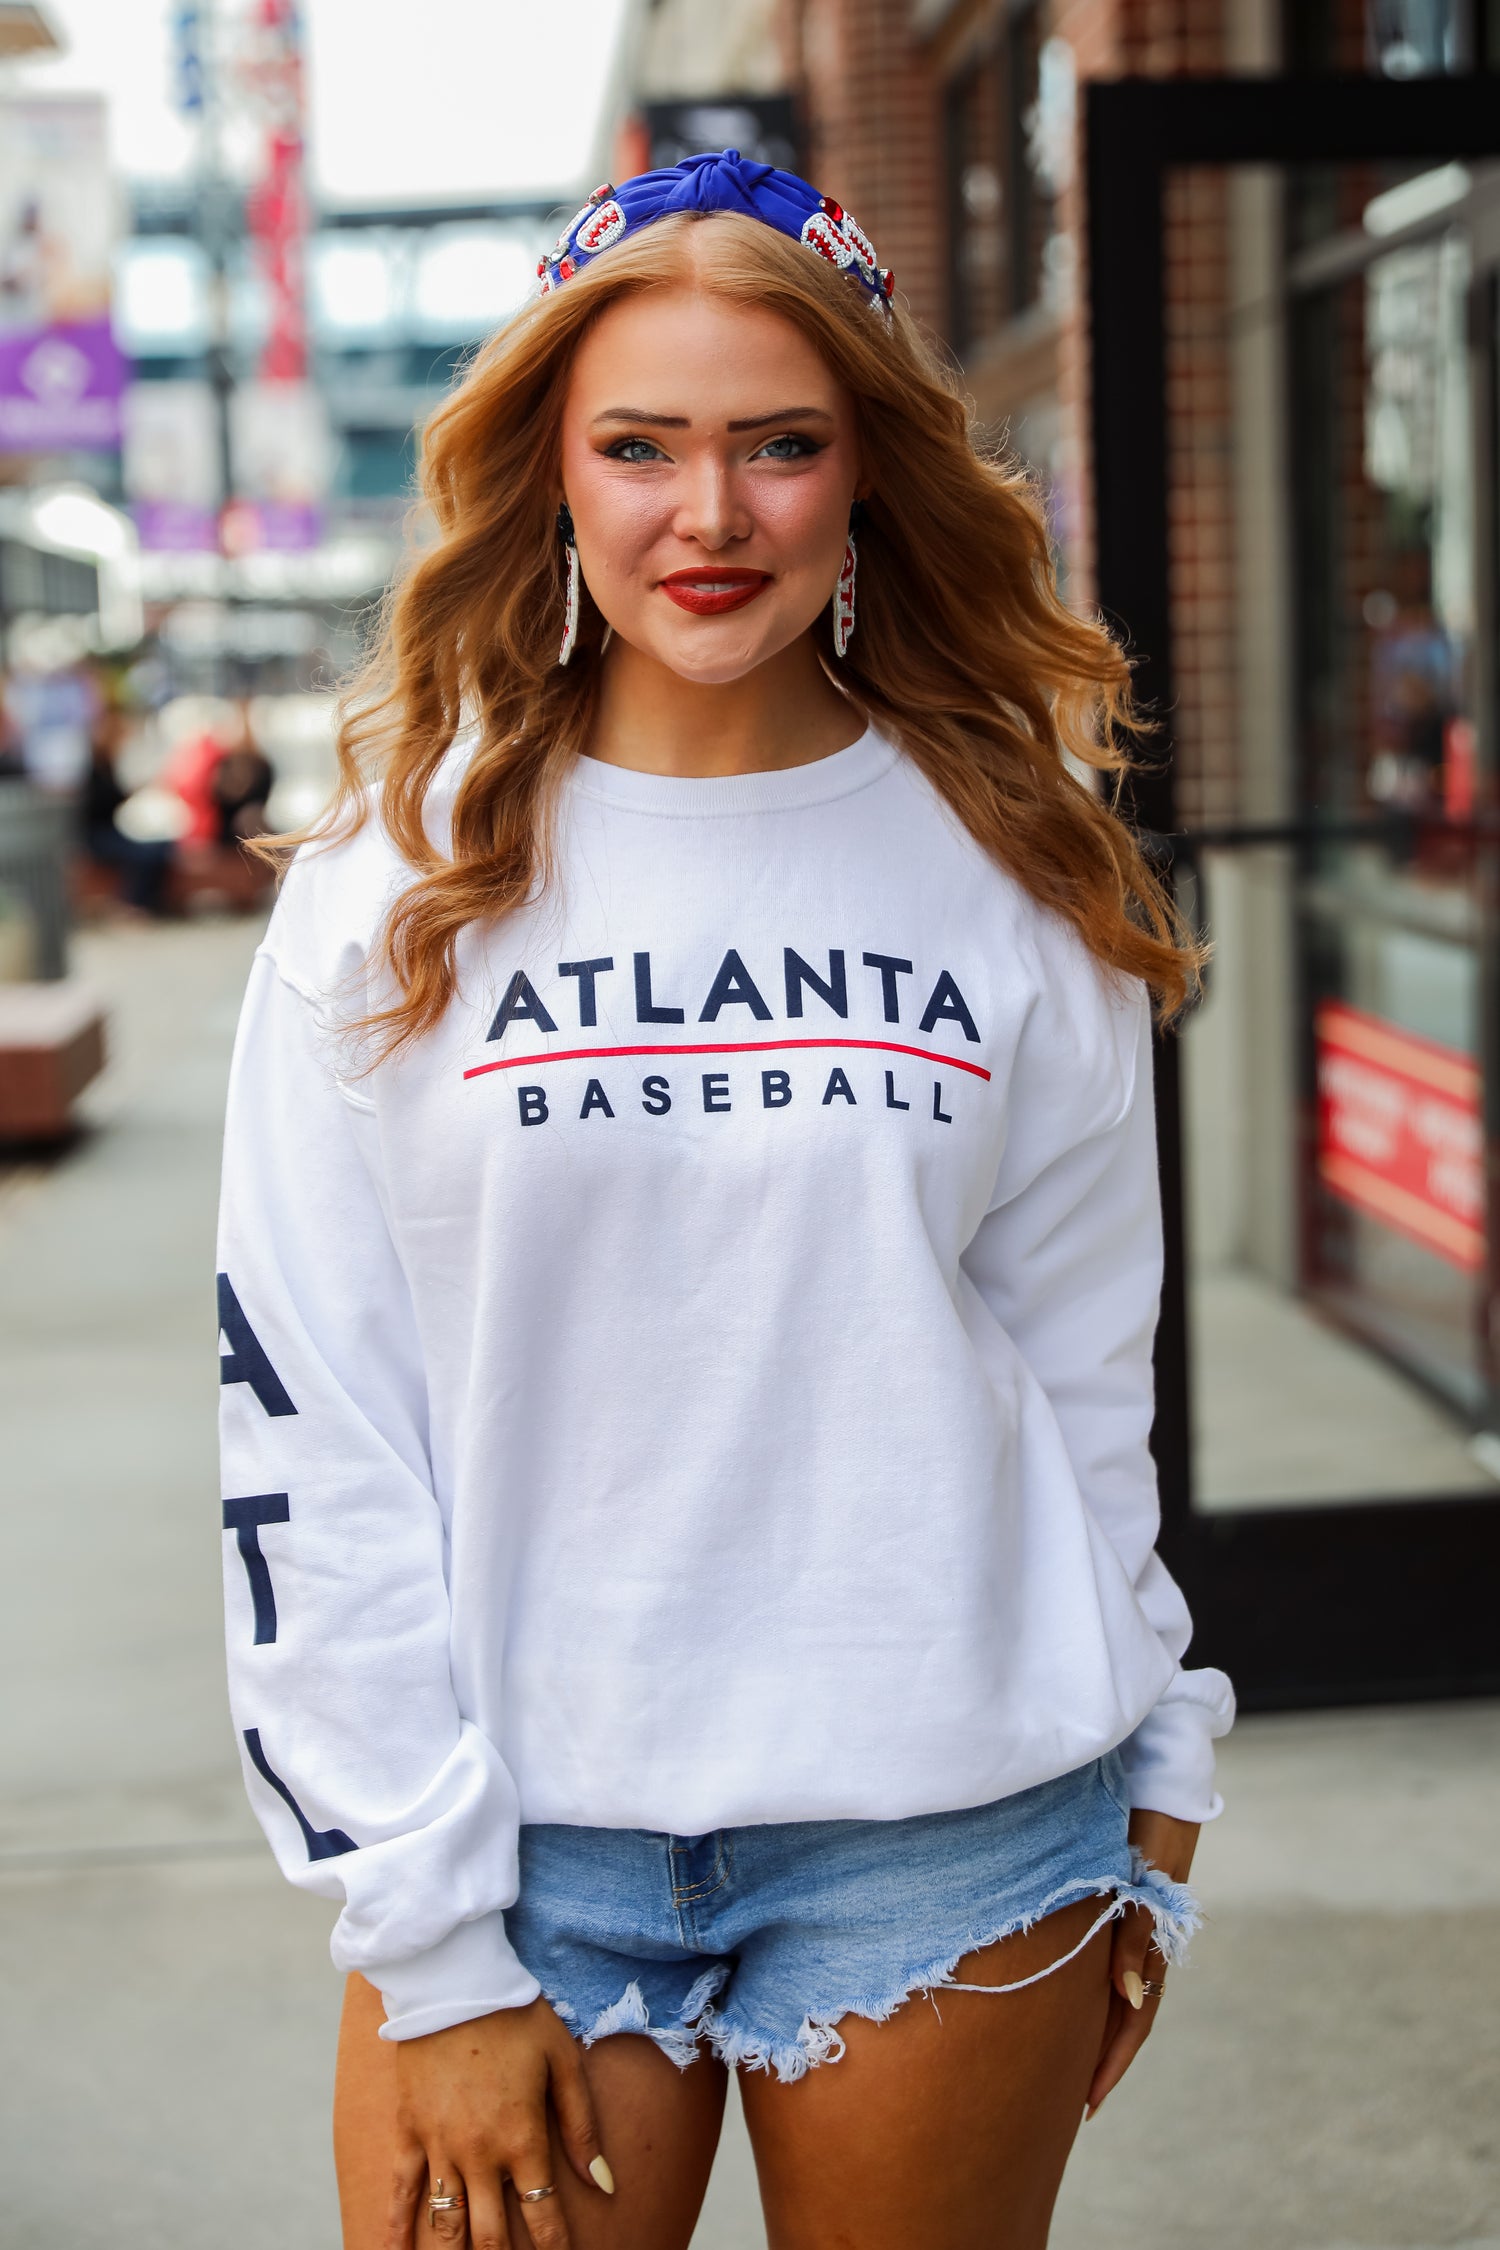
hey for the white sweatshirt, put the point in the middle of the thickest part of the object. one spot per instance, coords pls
(705, 1381)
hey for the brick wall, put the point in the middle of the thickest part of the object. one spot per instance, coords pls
(1096, 30)
(1170, 38)
(872, 93)
(1201, 529)
(871, 108)
(1164, 38)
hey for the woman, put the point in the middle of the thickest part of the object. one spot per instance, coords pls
(143, 868)
(690, 1262)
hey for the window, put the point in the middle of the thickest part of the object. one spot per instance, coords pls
(979, 279)
(1412, 38)
(1395, 38)
(1030, 203)
(1009, 133)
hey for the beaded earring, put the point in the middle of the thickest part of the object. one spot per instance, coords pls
(570, 599)
(843, 593)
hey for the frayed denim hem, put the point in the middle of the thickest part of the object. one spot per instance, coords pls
(678, 2041)
(1175, 1916)
(1173, 1909)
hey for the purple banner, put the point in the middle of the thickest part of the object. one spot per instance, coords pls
(176, 527)
(258, 526)
(60, 389)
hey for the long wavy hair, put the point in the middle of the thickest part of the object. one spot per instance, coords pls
(965, 655)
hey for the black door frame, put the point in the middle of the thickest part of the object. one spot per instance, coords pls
(1369, 1600)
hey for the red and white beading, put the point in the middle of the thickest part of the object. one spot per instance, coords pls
(821, 232)
(843, 601)
(600, 229)
(860, 243)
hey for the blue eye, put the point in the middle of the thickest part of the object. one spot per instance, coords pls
(792, 447)
(634, 449)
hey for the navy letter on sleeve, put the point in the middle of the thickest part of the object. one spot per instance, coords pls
(245, 1361)
(244, 1518)
(322, 1843)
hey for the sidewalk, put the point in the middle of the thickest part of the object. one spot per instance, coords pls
(1327, 2073)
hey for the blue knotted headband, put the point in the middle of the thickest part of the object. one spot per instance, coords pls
(726, 182)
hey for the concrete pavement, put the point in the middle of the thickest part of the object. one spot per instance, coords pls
(1326, 2075)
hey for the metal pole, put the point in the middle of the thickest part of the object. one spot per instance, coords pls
(215, 226)
(214, 232)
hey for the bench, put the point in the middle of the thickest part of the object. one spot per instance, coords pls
(217, 875)
(51, 1045)
(222, 874)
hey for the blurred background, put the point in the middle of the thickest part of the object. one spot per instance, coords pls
(1224, 274)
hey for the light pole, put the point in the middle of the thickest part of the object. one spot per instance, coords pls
(201, 96)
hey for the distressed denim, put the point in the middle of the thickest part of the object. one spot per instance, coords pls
(760, 1940)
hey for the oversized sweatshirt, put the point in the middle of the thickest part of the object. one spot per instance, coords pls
(707, 1379)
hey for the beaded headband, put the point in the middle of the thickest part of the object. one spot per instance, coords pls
(726, 182)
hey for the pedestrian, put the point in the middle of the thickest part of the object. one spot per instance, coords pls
(188, 772)
(141, 867)
(51, 708)
(690, 1259)
(240, 785)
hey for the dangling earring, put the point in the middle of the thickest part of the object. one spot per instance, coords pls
(843, 593)
(570, 599)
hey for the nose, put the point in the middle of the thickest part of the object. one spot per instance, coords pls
(710, 511)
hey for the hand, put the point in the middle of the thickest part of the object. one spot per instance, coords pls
(1168, 1844)
(472, 2111)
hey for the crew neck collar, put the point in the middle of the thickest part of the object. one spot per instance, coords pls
(788, 789)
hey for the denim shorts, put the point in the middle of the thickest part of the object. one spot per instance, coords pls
(757, 1941)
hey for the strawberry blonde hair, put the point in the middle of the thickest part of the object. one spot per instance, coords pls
(965, 654)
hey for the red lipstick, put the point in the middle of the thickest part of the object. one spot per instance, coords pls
(711, 591)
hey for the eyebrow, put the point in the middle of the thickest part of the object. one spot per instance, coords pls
(784, 414)
(642, 419)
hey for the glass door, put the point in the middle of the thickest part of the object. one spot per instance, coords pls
(1302, 552)
(1338, 1230)
(1392, 943)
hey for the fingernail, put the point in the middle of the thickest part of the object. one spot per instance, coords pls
(1135, 1991)
(602, 2176)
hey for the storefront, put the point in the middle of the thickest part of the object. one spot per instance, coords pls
(1309, 579)
(1392, 938)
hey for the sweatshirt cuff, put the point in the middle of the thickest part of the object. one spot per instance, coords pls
(471, 1972)
(1169, 1760)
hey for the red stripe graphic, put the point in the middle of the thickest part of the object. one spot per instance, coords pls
(727, 1047)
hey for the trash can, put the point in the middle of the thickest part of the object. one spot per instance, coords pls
(36, 836)
(17, 939)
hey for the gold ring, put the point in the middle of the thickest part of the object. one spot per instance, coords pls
(1152, 1990)
(437, 2201)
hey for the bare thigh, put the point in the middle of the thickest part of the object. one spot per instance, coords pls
(659, 2127)
(951, 2122)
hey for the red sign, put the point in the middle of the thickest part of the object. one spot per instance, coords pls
(1400, 1134)
(277, 209)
